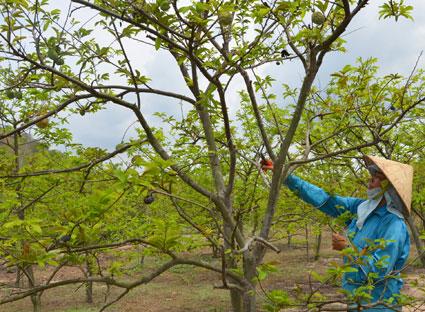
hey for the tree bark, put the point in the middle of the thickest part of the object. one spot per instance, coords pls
(418, 242)
(89, 285)
(307, 240)
(236, 299)
(36, 298)
(36, 303)
(250, 271)
(289, 238)
(235, 295)
(317, 247)
(249, 302)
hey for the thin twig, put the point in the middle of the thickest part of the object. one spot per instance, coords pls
(125, 292)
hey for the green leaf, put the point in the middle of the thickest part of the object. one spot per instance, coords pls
(13, 223)
(237, 271)
(36, 228)
(52, 262)
(121, 176)
(156, 241)
(349, 269)
(158, 42)
(263, 12)
(261, 274)
(19, 38)
(185, 9)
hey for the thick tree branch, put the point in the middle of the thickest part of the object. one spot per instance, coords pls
(279, 174)
(258, 117)
(147, 90)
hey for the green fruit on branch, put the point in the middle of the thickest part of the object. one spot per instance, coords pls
(164, 5)
(52, 54)
(136, 158)
(149, 199)
(138, 16)
(225, 18)
(43, 123)
(10, 94)
(18, 94)
(65, 238)
(318, 18)
(60, 61)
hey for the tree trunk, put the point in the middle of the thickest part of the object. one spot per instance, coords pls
(215, 251)
(307, 238)
(249, 302)
(19, 281)
(418, 242)
(235, 295)
(36, 298)
(36, 303)
(89, 285)
(250, 271)
(237, 303)
(317, 247)
(89, 292)
(289, 238)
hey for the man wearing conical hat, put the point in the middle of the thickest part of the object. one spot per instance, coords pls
(379, 218)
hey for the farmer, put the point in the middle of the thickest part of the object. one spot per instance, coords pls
(380, 218)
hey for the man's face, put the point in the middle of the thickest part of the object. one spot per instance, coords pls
(375, 180)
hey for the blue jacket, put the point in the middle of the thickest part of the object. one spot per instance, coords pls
(380, 224)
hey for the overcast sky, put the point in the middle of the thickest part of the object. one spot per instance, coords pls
(397, 47)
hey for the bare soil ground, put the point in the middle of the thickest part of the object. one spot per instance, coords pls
(185, 288)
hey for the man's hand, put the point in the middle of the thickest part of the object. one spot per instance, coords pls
(266, 164)
(339, 242)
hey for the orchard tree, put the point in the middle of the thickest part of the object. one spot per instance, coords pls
(70, 67)
(43, 213)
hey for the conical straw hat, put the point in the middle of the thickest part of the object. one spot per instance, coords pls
(400, 176)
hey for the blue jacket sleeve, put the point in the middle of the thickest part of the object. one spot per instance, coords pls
(333, 205)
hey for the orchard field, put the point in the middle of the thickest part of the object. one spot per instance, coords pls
(184, 289)
(132, 135)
